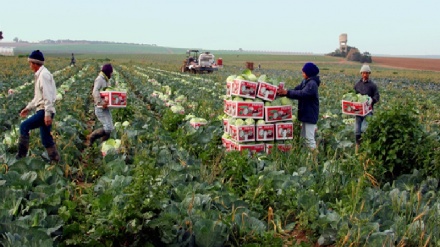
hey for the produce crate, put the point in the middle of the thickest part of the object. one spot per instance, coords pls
(228, 87)
(265, 132)
(277, 113)
(196, 125)
(242, 133)
(114, 99)
(266, 91)
(253, 148)
(281, 146)
(245, 89)
(356, 108)
(227, 143)
(284, 131)
(225, 125)
(243, 109)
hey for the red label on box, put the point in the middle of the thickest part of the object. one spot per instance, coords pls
(228, 87)
(226, 125)
(356, 108)
(243, 109)
(266, 91)
(243, 133)
(226, 106)
(283, 131)
(245, 89)
(114, 99)
(226, 143)
(281, 147)
(277, 113)
(197, 125)
(254, 148)
(234, 145)
(265, 132)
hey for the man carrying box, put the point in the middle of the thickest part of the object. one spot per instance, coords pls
(102, 111)
(365, 86)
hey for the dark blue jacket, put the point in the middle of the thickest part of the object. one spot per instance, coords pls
(308, 99)
(368, 88)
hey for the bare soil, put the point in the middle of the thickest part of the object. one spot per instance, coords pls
(408, 63)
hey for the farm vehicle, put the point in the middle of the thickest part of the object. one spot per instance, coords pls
(199, 64)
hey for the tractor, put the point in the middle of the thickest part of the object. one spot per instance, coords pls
(198, 64)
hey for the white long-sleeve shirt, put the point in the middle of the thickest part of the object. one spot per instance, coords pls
(100, 83)
(45, 92)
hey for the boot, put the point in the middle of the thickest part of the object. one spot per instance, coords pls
(53, 154)
(23, 147)
(358, 139)
(95, 135)
(358, 143)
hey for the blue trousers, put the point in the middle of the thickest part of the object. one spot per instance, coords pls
(37, 121)
(361, 124)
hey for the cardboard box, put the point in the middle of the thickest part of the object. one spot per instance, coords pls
(226, 143)
(115, 99)
(234, 146)
(277, 113)
(356, 108)
(226, 125)
(280, 146)
(266, 91)
(226, 106)
(242, 133)
(245, 89)
(228, 87)
(284, 131)
(196, 125)
(253, 148)
(265, 132)
(243, 109)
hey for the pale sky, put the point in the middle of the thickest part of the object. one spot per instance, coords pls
(388, 27)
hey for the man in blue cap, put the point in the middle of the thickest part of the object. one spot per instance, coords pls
(308, 102)
(44, 104)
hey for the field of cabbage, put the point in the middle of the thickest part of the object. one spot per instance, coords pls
(169, 184)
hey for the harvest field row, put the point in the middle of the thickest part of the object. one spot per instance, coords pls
(170, 184)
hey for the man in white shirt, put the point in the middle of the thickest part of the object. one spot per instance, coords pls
(44, 104)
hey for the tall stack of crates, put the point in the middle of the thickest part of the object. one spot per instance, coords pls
(246, 105)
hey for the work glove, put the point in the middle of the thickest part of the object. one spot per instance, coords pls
(370, 101)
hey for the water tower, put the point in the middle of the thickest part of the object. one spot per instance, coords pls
(343, 43)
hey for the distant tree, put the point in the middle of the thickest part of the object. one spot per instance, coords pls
(366, 58)
(354, 54)
(337, 53)
(1, 35)
(16, 40)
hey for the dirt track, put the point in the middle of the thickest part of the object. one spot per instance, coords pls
(409, 63)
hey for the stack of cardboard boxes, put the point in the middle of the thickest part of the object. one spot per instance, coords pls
(251, 123)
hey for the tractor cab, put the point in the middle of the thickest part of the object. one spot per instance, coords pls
(198, 63)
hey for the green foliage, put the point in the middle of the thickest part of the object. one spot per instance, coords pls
(397, 141)
(236, 169)
(170, 120)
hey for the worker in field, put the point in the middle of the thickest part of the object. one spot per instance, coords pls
(102, 111)
(308, 102)
(72, 60)
(44, 103)
(365, 86)
(192, 63)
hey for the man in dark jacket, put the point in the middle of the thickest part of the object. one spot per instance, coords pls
(365, 86)
(308, 102)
